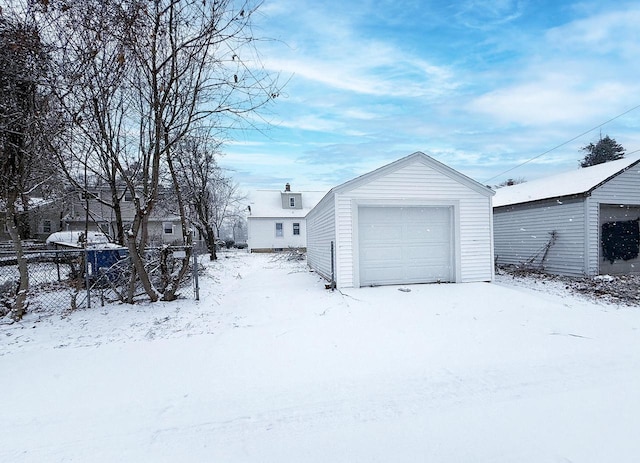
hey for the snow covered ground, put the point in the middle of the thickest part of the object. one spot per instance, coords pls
(271, 367)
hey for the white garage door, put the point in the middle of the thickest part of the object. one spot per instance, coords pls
(405, 245)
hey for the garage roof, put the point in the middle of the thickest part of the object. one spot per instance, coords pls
(420, 156)
(576, 182)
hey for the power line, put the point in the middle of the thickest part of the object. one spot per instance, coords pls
(562, 144)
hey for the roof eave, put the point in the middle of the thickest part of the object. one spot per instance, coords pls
(583, 194)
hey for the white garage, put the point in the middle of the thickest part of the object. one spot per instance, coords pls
(412, 221)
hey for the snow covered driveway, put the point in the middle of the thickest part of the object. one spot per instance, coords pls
(271, 367)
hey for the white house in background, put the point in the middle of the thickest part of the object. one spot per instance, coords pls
(582, 222)
(276, 219)
(412, 221)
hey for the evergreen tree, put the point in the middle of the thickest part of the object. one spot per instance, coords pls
(607, 149)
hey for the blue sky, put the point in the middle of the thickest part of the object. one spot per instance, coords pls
(481, 86)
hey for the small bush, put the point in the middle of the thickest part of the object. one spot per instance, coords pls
(229, 243)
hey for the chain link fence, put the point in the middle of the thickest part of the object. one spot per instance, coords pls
(68, 279)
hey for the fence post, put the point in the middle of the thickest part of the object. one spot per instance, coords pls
(333, 278)
(86, 277)
(195, 271)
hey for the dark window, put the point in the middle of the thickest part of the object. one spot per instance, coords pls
(279, 229)
(128, 196)
(292, 201)
(296, 228)
(620, 240)
(46, 226)
(168, 228)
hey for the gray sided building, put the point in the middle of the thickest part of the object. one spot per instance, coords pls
(583, 222)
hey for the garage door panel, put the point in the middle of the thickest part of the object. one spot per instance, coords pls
(435, 254)
(433, 273)
(394, 274)
(405, 245)
(384, 232)
(439, 233)
(393, 215)
(381, 254)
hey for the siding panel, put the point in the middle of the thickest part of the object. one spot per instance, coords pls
(522, 231)
(320, 233)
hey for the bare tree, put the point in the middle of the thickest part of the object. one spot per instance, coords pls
(226, 202)
(196, 157)
(24, 119)
(90, 86)
(179, 64)
(213, 196)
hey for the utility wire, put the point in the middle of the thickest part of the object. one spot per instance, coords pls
(562, 144)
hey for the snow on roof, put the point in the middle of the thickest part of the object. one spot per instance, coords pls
(569, 183)
(72, 238)
(268, 203)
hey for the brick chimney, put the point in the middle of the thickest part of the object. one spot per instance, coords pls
(287, 187)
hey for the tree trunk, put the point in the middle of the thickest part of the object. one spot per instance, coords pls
(136, 254)
(140, 272)
(117, 212)
(174, 282)
(19, 306)
(211, 242)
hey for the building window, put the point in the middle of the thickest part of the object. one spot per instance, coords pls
(292, 201)
(168, 228)
(46, 226)
(279, 230)
(128, 196)
(296, 228)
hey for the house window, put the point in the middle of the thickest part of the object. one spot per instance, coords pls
(128, 196)
(279, 230)
(88, 195)
(296, 228)
(46, 226)
(292, 201)
(167, 227)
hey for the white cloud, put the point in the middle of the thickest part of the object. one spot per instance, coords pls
(554, 99)
(606, 32)
(483, 14)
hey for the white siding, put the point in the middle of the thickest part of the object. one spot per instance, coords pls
(262, 233)
(522, 231)
(623, 189)
(321, 224)
(420, 184)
